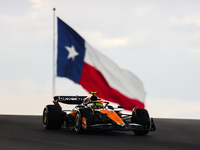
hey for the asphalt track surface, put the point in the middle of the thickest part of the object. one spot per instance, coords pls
(27, 133)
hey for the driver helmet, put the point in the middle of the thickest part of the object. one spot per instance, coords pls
(96, 105)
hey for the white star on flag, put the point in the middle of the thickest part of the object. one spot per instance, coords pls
(72, 52)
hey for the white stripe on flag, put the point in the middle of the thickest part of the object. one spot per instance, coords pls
(123, 81)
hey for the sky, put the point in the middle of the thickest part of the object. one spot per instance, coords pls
(156, 40)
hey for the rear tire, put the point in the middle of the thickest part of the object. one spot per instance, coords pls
(80, 125)
(52, 117)
(78, 122)
(142, 118)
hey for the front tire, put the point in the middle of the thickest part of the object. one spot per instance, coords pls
(52, 117)
(141, 117)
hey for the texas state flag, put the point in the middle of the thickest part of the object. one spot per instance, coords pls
(83, 64)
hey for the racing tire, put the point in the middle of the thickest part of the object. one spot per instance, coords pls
(52, 117)
(142, 118)
(78, 122)
(83, 120)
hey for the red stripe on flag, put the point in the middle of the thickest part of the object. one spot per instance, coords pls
(93, 80)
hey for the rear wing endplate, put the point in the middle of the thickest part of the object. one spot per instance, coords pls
(70, 99)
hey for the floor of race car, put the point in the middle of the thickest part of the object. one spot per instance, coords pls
(27, 132)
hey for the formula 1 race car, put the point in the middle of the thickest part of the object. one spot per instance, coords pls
(92, 113)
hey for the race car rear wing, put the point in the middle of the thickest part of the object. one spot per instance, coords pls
(70, 99)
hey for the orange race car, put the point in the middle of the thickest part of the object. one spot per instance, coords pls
(92, 113)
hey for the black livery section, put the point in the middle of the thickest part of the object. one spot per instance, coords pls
(70, 99)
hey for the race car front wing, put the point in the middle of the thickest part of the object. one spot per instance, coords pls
(126, 127)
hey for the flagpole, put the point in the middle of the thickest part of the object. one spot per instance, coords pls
(54, 76)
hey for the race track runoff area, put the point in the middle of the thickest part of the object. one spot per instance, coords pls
(27, 132)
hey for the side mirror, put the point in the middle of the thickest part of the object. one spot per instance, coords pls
(120, 106)
(110, 107)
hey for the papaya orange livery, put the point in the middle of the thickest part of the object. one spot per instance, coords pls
(73, 112)
(84, 122)
(112, 115)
